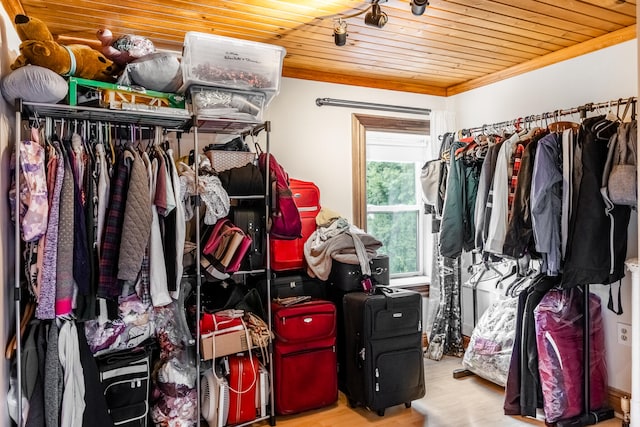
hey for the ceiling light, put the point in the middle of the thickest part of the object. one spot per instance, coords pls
(376, 17)
(418, 6)
(340, 33)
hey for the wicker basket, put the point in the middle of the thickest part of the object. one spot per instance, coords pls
(223, 160)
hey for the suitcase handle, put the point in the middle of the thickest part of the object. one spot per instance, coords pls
(378, 271)
(359, 352)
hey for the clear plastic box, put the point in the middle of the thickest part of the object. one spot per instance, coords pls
(230, 104)
(213, 60)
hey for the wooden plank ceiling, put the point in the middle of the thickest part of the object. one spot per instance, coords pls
(455, 46)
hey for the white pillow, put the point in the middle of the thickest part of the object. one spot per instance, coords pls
(34, 84)
(159, 71)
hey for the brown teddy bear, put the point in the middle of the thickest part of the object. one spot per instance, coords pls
(38, 47)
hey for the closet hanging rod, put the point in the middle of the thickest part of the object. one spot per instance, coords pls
(173, 121)
(332, 102)
(583, 109)
(36, 119)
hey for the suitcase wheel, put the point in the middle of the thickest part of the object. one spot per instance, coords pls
(380, 412)
(352, 403)
(407, 404)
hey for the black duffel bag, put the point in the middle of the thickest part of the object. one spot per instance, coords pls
(246, 180)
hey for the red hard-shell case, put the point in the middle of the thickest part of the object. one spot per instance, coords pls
(243, 381)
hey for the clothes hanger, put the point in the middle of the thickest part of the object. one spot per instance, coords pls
(560, 126)
(603, 127)
(27, 315)
(530, 129)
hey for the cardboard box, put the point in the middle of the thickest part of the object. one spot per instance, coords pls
(223, 344)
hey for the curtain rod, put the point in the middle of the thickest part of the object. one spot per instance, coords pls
(332, 102)
(583, 109)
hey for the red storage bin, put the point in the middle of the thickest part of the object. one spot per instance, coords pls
(289, 254)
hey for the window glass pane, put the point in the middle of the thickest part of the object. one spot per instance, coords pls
(398, 231)
(391, 183)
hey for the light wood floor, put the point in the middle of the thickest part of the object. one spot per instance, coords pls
(449, 402)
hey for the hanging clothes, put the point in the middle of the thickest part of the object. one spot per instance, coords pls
(73, 403)
(33, 193)
(588, 258)
(157, 270)
(446, 332)
(546, 202)
(65, 283)
(500, 196)
(519, 236)
(180, 229)
(457, 229)
(104, 184)
(482, 195)
(108, 282)
(136, 221)
(530, 389)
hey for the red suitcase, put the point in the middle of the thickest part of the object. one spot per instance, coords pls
(244, 372)
(305, 362)
(289, 254)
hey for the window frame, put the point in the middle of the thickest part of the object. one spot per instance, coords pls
(361, 124)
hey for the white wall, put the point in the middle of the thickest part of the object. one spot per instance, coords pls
(596, 77)
(9, 42)
(314, 143)
(601, 76)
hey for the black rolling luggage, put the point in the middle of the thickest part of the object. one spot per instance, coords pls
(293, 284)
(383, 348)
(348, 277)
(336, 295)
(345, 278)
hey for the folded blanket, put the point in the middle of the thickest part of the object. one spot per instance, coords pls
(336, 242)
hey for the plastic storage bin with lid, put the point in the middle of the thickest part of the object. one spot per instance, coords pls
(215, 102)
(212, 60)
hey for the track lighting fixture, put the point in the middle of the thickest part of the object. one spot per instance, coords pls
(376, 17)
(340, 33)
(418, 6)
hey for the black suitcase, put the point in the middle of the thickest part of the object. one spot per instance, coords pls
(348, 277)
(384, 361)
(251, 220)
(293, 284)
(336, 295)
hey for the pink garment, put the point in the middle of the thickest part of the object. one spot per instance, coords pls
(559, 330)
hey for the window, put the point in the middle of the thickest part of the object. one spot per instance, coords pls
(388, 157)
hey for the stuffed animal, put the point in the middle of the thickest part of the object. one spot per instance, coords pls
(38, 47)
(125, 48)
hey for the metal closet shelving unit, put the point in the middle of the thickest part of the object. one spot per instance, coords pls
(205, 124)
(178, 121)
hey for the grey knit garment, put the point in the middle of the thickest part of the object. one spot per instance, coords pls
(52, 379)
(136, 226)
(64, 264)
